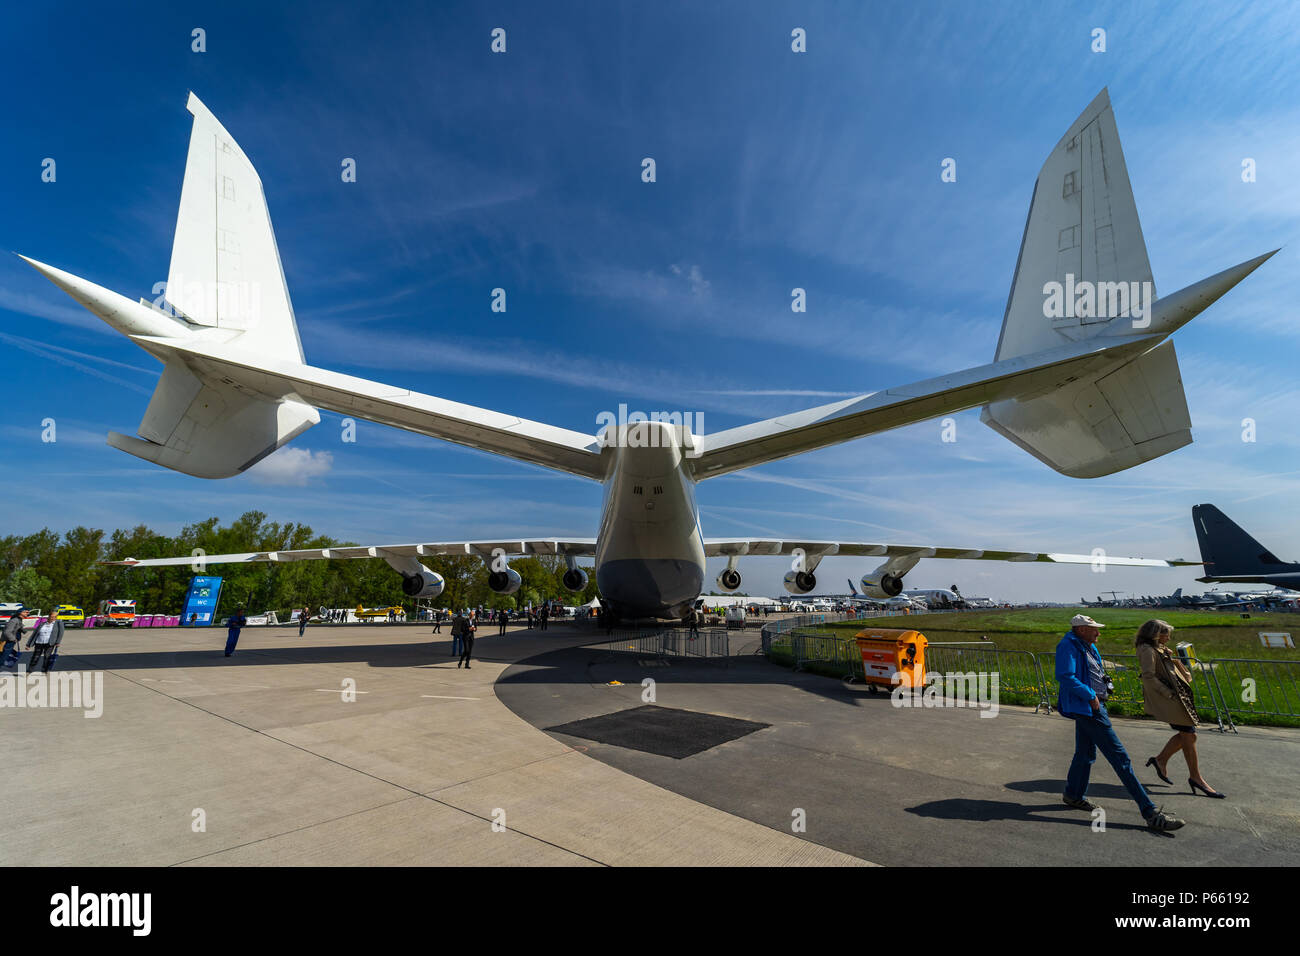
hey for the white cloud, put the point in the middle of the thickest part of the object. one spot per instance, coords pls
(699, 285)
(292, 466)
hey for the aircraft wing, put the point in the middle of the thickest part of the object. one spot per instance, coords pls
(279, 380)
(1251, 578)
(721, 547)
(842, 421)
(576, 547)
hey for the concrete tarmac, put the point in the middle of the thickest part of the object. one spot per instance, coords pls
(353, 745)
(919, 786)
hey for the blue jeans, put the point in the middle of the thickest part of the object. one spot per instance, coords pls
(456, 645)
(1093, 733)
(232, 638)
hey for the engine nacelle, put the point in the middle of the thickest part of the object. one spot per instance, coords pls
(728, 580)
(881, 586)
(575, 579)
(504, 582)
(800, 582)
(424, 584)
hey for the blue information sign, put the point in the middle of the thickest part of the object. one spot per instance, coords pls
(201, 601)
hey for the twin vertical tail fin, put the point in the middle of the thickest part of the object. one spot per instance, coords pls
(1083, 276)
(225, 274)
(225, 286)
(1082, 269)
(225, 270)
(1083, 234)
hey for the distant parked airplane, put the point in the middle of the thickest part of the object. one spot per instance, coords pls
(1232, 555)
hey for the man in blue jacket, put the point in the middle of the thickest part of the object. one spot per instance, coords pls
(1084, 691)
(236, 621)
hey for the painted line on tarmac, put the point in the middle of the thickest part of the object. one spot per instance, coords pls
(445, 697)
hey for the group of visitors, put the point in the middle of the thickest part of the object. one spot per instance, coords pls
(43, 641)
(1167, 695)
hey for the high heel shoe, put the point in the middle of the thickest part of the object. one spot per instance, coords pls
(1218, 795)
(1152, 763)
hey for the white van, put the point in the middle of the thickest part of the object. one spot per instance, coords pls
(735, 616)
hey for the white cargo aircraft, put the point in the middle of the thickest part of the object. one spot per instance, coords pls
(1083, 379)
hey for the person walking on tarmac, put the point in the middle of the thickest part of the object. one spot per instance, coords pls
(459, 625)
(13, 638)
(1167, 695)
(467, 637)
(546, 612)
(1084, 691)
(236, 621)
(503, 618)
(46, 638)
(302, 621)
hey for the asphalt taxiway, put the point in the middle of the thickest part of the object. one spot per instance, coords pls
(910, 786)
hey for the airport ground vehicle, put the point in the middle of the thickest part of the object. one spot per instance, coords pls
(70, 616)
(379, 613)
(735, 616)
(116, 612)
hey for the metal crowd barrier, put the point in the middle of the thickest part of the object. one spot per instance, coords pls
(712, 644)
(1019, 672)
(1222, 686)
(1274, 685)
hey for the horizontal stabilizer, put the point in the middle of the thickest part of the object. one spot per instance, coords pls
(1100, 425)
(211, 432)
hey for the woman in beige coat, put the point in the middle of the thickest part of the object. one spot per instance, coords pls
(1167, 695)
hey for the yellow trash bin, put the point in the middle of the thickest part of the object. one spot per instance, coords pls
(887, 652)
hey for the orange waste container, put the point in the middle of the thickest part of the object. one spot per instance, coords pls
(887, 652)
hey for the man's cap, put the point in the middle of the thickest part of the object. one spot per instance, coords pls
(1082, 620)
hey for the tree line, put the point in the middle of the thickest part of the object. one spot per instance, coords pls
(47, 568)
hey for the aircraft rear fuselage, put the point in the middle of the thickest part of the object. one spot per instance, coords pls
(649, 549)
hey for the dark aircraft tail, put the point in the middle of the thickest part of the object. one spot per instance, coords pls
(1228, 551)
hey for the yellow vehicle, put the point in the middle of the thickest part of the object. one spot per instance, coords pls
(379, 613)
(70, 616)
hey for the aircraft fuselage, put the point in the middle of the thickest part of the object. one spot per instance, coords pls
(649, 549)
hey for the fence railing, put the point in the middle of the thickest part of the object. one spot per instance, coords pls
(1020, 677)
(713, 644)
(1222, 687)
(1242, 686)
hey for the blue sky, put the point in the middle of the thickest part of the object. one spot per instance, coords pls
(775, 170)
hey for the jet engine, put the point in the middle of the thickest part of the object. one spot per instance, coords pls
(728, 580)
(880, 585)
(575, 579)
(504, 582)
(800, 582)
(422, 584)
